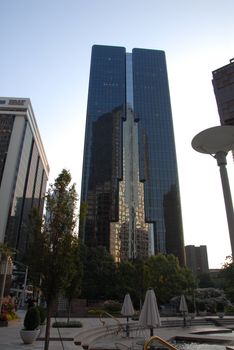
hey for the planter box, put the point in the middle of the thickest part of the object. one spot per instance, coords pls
(28, 337)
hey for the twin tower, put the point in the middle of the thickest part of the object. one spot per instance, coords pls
(130, 180)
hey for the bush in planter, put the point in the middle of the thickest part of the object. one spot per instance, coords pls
(42, 314)
(31, 324)
(32, 319)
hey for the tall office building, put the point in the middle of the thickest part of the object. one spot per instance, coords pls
(24, 170)
(130, 179)
(223, 83)
(197, 259)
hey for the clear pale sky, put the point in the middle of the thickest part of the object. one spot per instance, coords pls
(45, 55)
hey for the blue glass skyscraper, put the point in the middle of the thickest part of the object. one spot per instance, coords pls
(130, 179)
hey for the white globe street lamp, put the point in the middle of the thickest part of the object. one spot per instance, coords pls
(218, 141)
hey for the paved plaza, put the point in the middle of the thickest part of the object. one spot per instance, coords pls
(10, 336)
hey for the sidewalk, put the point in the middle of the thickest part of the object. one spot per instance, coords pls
(10, 336)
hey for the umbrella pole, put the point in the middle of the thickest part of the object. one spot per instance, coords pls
(151, 332)
(127, 328)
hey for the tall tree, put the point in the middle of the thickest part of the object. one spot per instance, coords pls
(74, 288)
(49, 251)
(166, 276)
(99, 273)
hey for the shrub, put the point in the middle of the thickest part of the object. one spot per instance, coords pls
(112, 306)
(42, 313)
(201, 306)
(219, 307)
(191, 307)
(229, 310)
(32, 319)
(94, 312)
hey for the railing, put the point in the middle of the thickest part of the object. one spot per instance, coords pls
(160, 340)
(120, 326)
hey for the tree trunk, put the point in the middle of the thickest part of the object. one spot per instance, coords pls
(69, 311)
(47, 332)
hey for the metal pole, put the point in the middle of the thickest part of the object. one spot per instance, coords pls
(3, 283)
(25, 284)
(221, 161)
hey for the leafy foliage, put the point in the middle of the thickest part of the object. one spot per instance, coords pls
(74, 288)
(227, 275)
(99, 273)
(103, 279)
(49, 257)
(164, 274)
(42, 314)
(32, 319)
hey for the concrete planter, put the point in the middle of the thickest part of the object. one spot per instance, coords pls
(41, 329)
(28, 337)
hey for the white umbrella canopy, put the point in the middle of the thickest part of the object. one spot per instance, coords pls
(183, 304)
(149, 316)
(127, 307)
(183, 308)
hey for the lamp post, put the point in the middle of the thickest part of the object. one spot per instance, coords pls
(218, 141)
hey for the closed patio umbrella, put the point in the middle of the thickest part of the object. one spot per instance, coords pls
(127, 309)
(149, 316)
(183, 307)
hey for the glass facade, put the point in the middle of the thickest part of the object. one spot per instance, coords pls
(130, 180)
(102, 166)
(6, 125)
(23, 172)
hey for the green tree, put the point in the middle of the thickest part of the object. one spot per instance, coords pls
(130, 279)
(99, 273)
(125, 279)
(74, 288)
(205, 281)
(164, 274)
(227, 276)
(49, 251)
(139, 282)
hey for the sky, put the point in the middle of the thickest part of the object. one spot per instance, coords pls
(45, 50)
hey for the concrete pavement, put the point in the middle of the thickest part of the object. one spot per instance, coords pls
(10, 336)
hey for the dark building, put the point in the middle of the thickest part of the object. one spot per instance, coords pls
(130, 179)
(197, 259)
(24, 170)
(223, 83)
